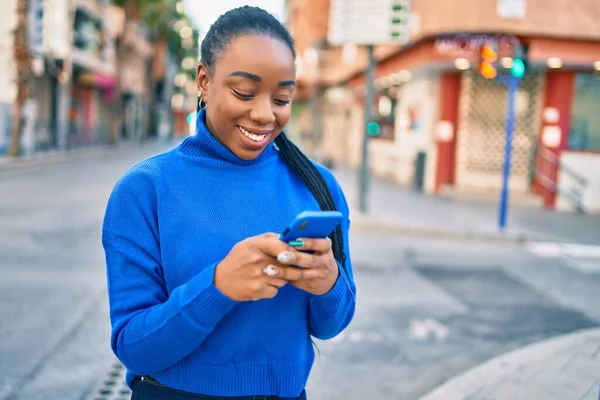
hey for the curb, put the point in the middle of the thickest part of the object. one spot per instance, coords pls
(379, 226)
(45, 158)
(471, 382)
(40, 159)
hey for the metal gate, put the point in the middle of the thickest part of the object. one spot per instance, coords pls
(481, 132)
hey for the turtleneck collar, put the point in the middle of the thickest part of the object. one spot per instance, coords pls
(203, 145)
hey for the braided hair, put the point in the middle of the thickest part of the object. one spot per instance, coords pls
(249, 20)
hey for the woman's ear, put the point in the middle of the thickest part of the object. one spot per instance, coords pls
(202, 81)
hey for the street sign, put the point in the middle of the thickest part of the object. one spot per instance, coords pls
(369, 22)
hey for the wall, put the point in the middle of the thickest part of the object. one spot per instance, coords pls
(7, 24)
(580, 163)
(556, 18)
(416, 114)
(555, 23)
(414, 130)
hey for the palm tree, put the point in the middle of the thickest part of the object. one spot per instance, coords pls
(22, 59)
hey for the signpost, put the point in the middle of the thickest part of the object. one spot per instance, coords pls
(369, 23)
(512, 84)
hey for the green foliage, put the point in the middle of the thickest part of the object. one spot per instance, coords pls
(164, 22)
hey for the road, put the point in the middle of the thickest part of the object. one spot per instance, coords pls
(428, 309)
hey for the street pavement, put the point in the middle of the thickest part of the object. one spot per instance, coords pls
(404, 210)
(434, 306)
(566, 367)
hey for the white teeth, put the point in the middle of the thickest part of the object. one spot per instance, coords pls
(252, 136)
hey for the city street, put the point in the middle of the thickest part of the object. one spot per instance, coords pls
(429, 308)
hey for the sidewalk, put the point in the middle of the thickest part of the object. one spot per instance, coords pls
(392, 208)
(42, 158)
(566, 367)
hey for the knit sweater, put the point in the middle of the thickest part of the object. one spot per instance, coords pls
(169, 221)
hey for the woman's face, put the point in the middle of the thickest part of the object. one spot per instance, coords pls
(249, 93)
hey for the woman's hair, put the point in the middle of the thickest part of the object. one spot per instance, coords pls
(245, 21)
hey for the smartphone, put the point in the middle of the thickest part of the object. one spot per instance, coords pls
(312, 224)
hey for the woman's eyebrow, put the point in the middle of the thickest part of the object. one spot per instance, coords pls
(256, 78)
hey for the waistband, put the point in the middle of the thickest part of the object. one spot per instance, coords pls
(147, 388)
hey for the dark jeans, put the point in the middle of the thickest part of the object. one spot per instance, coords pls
(149, 389)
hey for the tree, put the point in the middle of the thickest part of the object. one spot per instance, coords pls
(22, 59)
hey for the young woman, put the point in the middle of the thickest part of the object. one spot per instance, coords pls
(205, 301)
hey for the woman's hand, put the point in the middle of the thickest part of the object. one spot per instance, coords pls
(251, 270)
(320, 263)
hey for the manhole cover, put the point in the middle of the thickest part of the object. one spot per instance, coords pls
(112, 386)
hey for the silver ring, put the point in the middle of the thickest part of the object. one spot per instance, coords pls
(270, 270)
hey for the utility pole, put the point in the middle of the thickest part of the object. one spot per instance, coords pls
(369, 23)
(364, 167)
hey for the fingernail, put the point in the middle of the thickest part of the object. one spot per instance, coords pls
(284, 257)
(296, 243)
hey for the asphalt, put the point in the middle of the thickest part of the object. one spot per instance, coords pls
(443, 296)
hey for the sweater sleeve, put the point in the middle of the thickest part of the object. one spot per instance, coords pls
(151, 329)
(331, 313)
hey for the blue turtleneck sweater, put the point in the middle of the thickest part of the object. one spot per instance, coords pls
(169, 221)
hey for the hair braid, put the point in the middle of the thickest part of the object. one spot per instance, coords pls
(315, 182)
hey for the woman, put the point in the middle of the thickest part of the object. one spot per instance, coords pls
(205, 301)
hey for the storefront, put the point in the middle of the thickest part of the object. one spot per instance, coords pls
(92, 103)
(453, 121)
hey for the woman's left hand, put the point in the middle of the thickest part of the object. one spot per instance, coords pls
(320, 259)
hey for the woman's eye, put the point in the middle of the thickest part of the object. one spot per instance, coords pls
(243, 96)
(282, 102)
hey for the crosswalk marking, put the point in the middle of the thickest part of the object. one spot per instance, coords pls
(574, 250)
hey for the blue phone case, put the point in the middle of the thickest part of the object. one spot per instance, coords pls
(312, 224)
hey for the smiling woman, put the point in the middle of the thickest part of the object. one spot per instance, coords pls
(206, 301)
(248, 90)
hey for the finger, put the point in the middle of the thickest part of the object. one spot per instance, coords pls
(318, 245)
(277, 282)
(270, 245)
(292, 274)
(301, 259)
(268, 292)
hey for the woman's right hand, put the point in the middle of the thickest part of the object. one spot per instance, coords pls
(241, 275)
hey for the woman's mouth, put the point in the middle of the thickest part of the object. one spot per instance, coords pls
(257, 138)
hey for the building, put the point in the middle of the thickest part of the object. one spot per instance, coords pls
(134, 69)
(73, 75)
(93, 84)
(8, 21)
(443, 123)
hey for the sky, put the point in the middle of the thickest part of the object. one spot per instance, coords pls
(205, 12)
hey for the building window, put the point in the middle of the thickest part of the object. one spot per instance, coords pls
(584, 132)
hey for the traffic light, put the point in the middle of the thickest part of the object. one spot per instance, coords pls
(373, 128)
(519, 65)
(518, 68)
(487, 59)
